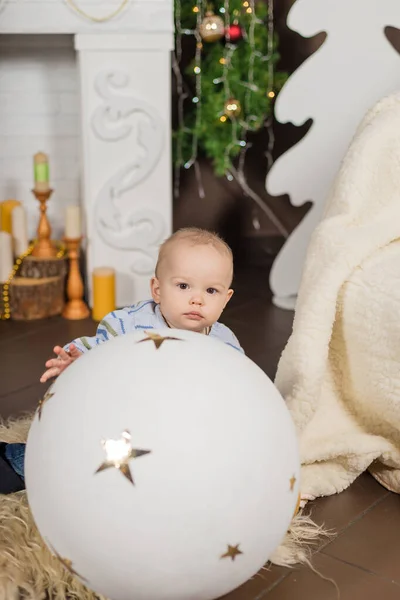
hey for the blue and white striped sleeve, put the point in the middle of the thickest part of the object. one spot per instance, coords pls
(223, 333)
(117, 322)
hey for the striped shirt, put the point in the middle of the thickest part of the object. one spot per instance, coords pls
(141, 316)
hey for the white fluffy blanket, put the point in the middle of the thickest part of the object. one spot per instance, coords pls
(340, 371)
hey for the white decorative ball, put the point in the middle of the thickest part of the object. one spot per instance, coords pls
(163, 466)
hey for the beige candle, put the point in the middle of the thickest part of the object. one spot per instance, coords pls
(6, 256)
(19, 230)
(73, 227)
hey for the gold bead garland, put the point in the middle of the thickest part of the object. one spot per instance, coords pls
(98, 19)
(6, 314)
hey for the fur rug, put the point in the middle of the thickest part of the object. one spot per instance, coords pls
(29, 571)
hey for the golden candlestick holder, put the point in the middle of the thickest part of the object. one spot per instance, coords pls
(75, 307)
(44, 247)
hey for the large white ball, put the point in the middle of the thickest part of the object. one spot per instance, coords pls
(221, 476)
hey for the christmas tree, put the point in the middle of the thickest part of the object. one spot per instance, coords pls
(228, 88)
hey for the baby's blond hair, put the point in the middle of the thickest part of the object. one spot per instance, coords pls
(196, 237)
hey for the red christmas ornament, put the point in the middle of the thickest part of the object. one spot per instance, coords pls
(234, 33)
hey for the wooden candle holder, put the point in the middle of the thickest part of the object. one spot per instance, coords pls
(44, 247)
(75, 307)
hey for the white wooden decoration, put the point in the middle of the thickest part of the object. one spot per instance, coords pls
(354, 68)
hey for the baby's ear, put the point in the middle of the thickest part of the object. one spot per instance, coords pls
(155, 289)
(228, 296)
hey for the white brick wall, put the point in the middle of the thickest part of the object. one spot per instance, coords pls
(39, 111)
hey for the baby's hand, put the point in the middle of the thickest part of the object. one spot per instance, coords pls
(55, 366)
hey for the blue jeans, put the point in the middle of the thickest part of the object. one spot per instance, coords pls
(15, 456)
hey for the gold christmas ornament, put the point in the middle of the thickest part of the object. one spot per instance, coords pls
(232, 108)
(212, 28)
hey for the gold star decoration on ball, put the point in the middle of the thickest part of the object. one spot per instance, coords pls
(67, 564)
(119, 453)
(297, 508)
(232, 552)
(157, 339)
(42, 402)
(292, 482)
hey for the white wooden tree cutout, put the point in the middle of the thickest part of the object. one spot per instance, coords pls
(353, 69)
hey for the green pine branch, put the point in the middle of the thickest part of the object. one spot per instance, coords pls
(215, 136)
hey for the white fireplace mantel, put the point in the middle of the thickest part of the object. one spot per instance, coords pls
(124, 67)
(57, 16)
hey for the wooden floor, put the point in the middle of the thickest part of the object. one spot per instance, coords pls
(364, 558)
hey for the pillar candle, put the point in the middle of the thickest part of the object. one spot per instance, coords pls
(19, 230)
(6, 209)
(41, 172)
(73, 228)
(103, 279)
(6, 256)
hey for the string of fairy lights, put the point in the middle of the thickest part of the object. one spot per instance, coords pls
(218, 26)
(183, 92)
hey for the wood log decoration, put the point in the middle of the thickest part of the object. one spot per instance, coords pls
(32, 299)
(35, 288)
(39, 268)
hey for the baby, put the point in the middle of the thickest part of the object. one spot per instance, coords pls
(190, 289)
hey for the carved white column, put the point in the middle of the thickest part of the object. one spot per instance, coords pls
(126, 135)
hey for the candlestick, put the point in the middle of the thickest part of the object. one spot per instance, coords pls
(103, 279)
(6, 209)
(44, 247)
(19, 230)
(41, 172)
(6, 257)
(73, 227)
(75, 308)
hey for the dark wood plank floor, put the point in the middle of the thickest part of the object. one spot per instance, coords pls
(364, 558)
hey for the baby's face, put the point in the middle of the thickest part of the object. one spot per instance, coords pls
(192, 287)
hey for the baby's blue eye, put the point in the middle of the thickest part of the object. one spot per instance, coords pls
(212, 291)
(183, 286)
